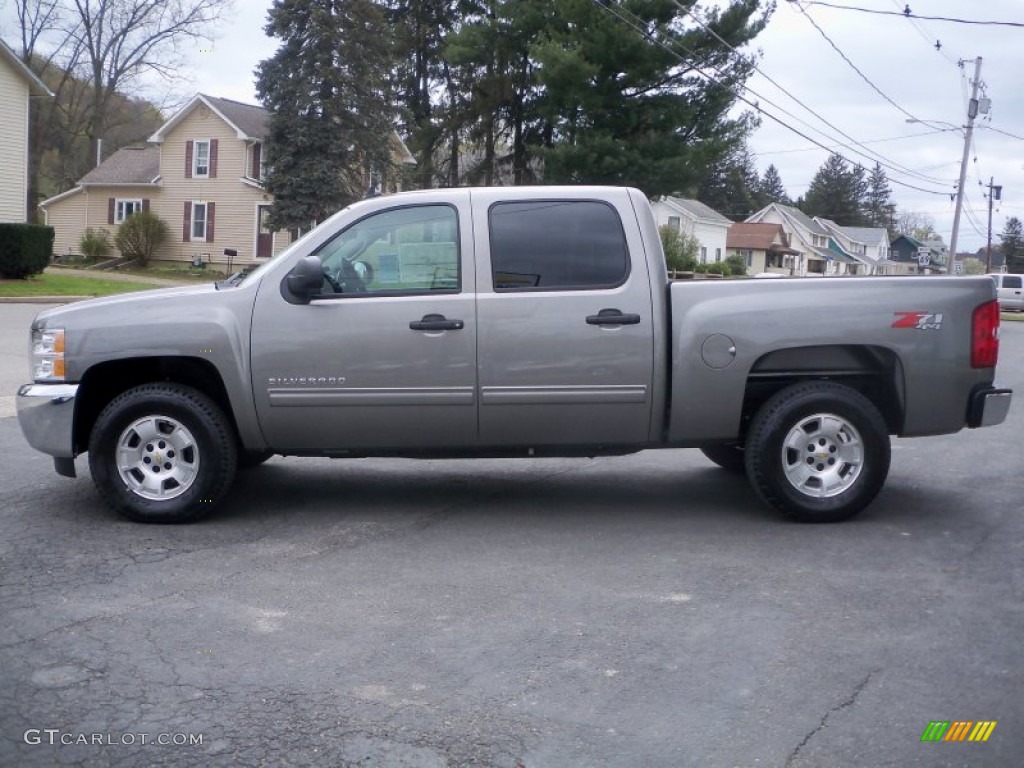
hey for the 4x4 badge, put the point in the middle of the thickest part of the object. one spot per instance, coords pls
(921, 321)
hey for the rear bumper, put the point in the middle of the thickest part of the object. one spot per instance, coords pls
(989, 407)
(46, 413)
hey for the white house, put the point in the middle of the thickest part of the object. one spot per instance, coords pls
(17, 84)
(692, 217)
(819, 252)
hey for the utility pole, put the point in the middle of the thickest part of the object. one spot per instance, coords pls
(994, 193)
(972, 112)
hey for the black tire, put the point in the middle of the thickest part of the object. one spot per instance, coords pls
(186, 450)
(728, 456)
(250, 459)
(823, 476)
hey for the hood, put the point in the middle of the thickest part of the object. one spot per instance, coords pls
(125, 304)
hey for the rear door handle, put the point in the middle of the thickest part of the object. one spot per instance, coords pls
(436, 323)
(612, 317)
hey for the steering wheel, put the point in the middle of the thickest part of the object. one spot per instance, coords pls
(332, 281)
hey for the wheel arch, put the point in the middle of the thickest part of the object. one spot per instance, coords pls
(104, 381)
(874, 371)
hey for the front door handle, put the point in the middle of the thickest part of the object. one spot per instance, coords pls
(612, 317)
(436, 323)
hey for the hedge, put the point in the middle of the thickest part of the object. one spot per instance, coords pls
(25, 249)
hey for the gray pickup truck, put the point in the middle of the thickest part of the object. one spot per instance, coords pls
(507, 322)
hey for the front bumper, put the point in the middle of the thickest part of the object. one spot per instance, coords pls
(46, 413)
(989, 407)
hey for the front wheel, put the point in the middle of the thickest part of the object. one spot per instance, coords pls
(162, 453)
(818, 452)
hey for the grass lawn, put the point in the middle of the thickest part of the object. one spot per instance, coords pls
(68, 285)
(175, 273)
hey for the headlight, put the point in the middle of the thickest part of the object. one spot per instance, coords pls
(48, 354)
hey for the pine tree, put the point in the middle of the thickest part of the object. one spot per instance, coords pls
(770, 188)
(616, 107)
(327, 92)
(837, 193)
(1013, 245)
(732, 187)
(879, 209)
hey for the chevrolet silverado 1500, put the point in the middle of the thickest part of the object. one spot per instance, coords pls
(507, 322)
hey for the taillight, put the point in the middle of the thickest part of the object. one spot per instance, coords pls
(985, 335)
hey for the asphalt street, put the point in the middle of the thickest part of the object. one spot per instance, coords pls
(634, 611)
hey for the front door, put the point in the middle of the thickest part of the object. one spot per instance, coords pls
(264, 237)
(385, 358)
(565, 322)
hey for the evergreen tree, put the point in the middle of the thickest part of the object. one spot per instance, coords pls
(616, 107)
(732, 187)
(1013, 245)
(837, 193)
(879, 209)
(770, 188)
(327, 92)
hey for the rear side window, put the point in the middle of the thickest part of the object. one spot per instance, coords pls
(1011, 281)
(550, 245)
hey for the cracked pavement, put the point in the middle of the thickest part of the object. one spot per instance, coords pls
(642, 610)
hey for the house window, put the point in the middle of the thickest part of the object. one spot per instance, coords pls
(718, 254)
(199, 221)
(749, 255)
(125, 208)
(201, 159)
(673, 223)
(703, 255)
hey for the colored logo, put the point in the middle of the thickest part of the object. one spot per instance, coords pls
(921, 321)
(958, 730)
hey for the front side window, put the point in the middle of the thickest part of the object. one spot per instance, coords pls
(199, 221)
(402, 250)
(557, 245)
(1011, 281)
(201, 159)
(125, 208)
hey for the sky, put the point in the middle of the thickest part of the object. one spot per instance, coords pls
(896, 54)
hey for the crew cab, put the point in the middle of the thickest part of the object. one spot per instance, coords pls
(507, 322)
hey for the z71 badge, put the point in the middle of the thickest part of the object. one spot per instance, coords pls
(921, 321)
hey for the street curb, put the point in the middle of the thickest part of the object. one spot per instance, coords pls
(42, 299)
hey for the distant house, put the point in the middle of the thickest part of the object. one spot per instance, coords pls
(918, 257)
(692, 217)
(17, 85)
(202, 174)
(877, 248)
(763, 246)
(805, 235)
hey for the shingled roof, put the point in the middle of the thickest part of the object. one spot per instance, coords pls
(129, 165)
(249, 118)
(757, 236)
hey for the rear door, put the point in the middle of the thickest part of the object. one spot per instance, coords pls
(566, 341)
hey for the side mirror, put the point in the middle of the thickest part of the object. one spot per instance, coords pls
(304, 280)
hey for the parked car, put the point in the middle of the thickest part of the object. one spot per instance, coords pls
(1009, 291)
(507, 321)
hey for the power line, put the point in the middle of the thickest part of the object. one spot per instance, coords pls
(928, 39)
(1005, 133)
(854, 67)
(612, 9)
(892, 163)
(866, 141)
(908, 15)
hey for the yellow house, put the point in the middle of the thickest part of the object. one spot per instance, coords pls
(17, 84)
(201, 174)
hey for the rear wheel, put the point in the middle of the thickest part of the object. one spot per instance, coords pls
(818, 452)
(728, 456)
(162, 453)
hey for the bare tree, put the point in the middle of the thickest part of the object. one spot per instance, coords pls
(122, 40)
(916, 224)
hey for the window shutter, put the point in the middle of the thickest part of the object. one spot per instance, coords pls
(110, 210)
(213, 158)
(186, 225)
(188, 159)
(209, 222)
(145, 205)
(257, 152)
